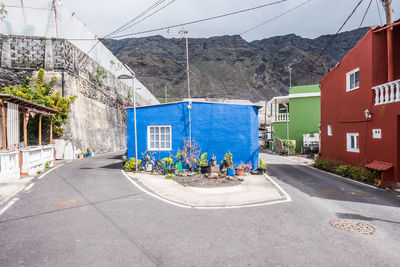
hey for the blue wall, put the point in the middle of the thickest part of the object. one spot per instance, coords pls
(217, 128)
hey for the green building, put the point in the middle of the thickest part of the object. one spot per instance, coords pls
(298, 113)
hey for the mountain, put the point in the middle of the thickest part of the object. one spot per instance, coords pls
(230, 67)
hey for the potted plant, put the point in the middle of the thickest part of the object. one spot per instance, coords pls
(228, 164)
(247, 167)
(168, 162)
(178, 163)
(90, 151)
(241, 169)
(203, 163)
(213, 160)
(262, 166)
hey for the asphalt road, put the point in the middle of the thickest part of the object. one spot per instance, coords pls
(86, 213)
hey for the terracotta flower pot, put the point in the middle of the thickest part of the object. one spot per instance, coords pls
(240, 172)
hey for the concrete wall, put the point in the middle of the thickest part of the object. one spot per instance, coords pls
(97, 118)
(51, 19)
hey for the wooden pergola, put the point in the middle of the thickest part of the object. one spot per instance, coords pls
(25, 106)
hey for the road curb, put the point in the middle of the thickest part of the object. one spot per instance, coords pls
(286, 197)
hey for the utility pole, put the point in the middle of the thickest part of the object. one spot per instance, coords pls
(290, 77)
(165, 92)
(389, 39)
(187, 61)
(388, 9)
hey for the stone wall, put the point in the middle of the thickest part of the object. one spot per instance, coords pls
(97, 118)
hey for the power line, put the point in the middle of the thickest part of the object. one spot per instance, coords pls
(123, 27)
(183, 24)
(358, 31)
(379, 12)
(278, 16)
(202, 20)
(336, 34)
(158, 10)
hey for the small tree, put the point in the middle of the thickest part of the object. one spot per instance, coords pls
(3, 11)
(190, 152)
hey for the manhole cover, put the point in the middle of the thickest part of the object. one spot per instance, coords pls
(352, 226)
(358, 194)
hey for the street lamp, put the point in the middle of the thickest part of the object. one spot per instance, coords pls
(132, 77)
(286, 107)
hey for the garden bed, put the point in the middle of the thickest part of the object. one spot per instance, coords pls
(199, 180)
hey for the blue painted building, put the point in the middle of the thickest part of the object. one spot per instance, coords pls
(217, 128)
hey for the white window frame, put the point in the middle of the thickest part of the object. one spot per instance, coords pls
(356, 147)
(329, 130)
(348, 79)
(159, 138)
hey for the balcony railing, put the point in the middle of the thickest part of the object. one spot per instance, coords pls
(282, 117)
(387, 93)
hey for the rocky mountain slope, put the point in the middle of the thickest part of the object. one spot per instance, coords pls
(230, 67)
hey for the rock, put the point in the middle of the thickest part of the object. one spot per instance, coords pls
(211, 175)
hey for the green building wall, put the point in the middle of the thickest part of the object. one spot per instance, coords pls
(305, 116)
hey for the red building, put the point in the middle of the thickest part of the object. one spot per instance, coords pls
(360, 105)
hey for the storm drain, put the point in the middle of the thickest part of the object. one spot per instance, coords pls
(352, 226)
(358, 194)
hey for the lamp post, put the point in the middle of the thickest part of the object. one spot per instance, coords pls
(132, 77)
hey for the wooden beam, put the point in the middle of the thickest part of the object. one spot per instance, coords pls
(25, 129)
(51, 130)
(3, 125)
(40, 129)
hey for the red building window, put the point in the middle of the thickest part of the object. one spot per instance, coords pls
(353, 80)
(352, 142)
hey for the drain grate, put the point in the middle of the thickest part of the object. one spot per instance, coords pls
(352, 226)
(331, 193)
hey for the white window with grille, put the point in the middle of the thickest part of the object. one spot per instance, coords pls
(159, 138)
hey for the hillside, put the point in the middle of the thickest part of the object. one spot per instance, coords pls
(228, 66)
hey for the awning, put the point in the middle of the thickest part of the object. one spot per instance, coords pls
(379, 165)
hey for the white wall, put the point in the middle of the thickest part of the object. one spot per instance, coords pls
(50, 18)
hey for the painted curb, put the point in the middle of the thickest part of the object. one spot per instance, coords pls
(281, 191)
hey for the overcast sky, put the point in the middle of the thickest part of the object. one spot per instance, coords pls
(315, 18)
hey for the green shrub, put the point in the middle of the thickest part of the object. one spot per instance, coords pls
(169, 176)
(343, 170)
(47, 165)
(292, 146)
(39, 172)
(130, 166)
(203, 159)
(263, 165)
(325, 164)
(167, 161)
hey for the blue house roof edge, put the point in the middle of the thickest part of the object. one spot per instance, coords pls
(196, 101)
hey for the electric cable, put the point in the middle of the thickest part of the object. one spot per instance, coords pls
(358, 31)
(158, 10)
(336, 34)
(183, 24)
(123, 27)
(379, 12)
(276, 17)
(203, 20)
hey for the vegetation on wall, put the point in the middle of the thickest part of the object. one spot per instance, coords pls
(99, 76)
(3, 11)
(43, 94)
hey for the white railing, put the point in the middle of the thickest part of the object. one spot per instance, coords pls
(34, 158)
(280, 117)
(9, 166)
(387, 92)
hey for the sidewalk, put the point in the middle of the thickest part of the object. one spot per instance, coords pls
(10, 189)
(255, 189)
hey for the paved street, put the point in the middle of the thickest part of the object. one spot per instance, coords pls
(86, 213)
